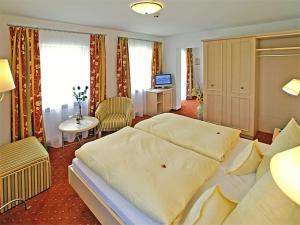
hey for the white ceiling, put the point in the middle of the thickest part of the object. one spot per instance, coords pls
(178, 16)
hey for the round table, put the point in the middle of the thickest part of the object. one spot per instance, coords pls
(70, 126)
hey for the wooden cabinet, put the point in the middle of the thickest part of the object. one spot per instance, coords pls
(215, 89)
(240, 74)
(214, 65)
(158, 101)
(229, 83)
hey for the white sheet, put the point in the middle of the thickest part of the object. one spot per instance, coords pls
(234, 187)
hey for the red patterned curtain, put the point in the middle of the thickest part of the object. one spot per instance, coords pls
(190, 72)
(98, 71)
(123, 69)
(26, 102)
(156, 61)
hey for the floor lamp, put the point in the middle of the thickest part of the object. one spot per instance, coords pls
(6, 79)
(292, 87)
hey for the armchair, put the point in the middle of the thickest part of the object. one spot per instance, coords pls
(114, 113)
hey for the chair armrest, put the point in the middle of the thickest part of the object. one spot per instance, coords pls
(101, 112)
(129, 113)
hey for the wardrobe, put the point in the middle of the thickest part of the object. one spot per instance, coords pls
(232, 70)
(229, 83)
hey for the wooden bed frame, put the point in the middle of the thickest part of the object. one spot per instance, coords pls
(95, 203)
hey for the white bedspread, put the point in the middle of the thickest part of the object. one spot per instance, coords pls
(209, 139)
(234, 187)
(156, 176)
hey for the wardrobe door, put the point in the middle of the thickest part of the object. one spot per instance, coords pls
(214, 108)
(240, 93)
(214, 88)
(245, 65)
(214, 65)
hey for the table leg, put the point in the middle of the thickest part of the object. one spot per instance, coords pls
(80, 140)
(62, 139)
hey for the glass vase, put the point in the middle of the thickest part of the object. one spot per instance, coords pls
(199, 111)
(80, 110)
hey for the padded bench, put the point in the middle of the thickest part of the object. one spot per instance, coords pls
(24, 171)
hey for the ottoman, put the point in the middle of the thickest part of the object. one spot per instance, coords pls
(24, 171)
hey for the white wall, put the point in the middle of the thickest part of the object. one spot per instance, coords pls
(193, 40)
(111, 54)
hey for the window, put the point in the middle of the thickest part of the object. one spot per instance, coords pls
(65, 63)
(140, 58)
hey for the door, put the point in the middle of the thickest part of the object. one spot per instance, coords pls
(239, 72)
(167, 100)
(214, 108)
(213, 65)
(214, 82)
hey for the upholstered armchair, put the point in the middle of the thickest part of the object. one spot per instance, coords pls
(114, 113)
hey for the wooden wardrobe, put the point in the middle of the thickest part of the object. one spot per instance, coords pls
(243, 77)
(229, 83)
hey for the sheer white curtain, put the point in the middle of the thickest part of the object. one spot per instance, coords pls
(140, 57)
(65, 63)
(183, 74)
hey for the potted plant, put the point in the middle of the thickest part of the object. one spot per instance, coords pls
(196, 92)
(80, 96)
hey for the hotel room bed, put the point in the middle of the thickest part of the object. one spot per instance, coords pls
(122, 211)
(142, 168)
(209, 139)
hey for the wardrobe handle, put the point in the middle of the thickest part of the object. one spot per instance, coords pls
(212, 85)
(242, 88)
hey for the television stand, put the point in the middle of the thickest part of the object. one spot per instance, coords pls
(163, 87)
(158, 100)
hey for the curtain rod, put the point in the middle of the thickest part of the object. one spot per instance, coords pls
(49, 29)
(137, 39)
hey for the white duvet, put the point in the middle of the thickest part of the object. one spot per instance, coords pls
(158, 177)
(209, 139)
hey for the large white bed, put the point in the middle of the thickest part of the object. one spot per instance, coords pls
(110, 207)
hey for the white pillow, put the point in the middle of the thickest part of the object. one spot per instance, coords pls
(265, 204)
(247, 160)
(288, 138)
(211, 208)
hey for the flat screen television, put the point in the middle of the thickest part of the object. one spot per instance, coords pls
(163, 80)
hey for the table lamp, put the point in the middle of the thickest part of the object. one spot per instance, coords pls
(292, 87)
(6, 79)
(285, 169)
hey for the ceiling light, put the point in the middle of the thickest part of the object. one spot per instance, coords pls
(146, 7)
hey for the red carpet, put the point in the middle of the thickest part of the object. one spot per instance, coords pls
(60, 205)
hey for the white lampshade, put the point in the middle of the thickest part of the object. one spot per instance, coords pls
(285, 169)
(292, 87)
(6, 79)
(146, 7)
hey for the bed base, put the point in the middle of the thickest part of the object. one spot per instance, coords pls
(95, 203)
